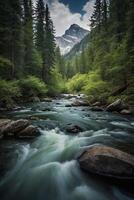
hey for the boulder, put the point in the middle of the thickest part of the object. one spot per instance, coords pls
(80, 103)
(14, 127)
(115, 106)
(47, 100)
(18, 128)
(107, 161)
(29, 132)
(68, 105)
(126, 112)
(74, 129)
(3, 123)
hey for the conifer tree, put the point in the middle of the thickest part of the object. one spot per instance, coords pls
(49, 50)
(97, 14)
(40, 27)
(11, 38)
(28, 36)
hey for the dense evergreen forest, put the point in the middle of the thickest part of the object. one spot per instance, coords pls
(104, 70)
(31, 65)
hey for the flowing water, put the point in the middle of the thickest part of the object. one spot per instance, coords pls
(46, 168)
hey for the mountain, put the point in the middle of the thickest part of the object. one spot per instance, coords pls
(71, 37)
(77, 49)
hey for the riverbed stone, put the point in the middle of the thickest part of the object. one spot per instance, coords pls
(107, 161)
(117, 105)
(80, 103)
(29, 132)
(126, 112)
(21, 127)
(74, 129)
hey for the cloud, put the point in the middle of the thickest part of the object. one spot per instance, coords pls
(63, 17)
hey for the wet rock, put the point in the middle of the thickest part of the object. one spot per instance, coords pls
(3, 123)
(97, 108)
(74, 129)
(14, 127)
(47, 100)
(34, 118)
(80, 103)
(107, 161)
(29, 132)
(10, 128)
(126, 112)
(68, 105)
(116, 106)
(68, 96)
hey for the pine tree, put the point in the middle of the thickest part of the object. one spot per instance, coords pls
(104, 13)
(118, 11)
(39, 26)
(97, 14)
(49, 50)
(11, 33)
(28, 36)
(59, 60)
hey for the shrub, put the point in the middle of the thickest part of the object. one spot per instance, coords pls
(57, 83)
(5, 68)
(9, 91)
(96, 87)
(32, 86)
(76, 83)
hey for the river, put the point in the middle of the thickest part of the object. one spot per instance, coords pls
(46, 168)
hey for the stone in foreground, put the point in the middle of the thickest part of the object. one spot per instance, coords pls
(21, 128)
(107, 161)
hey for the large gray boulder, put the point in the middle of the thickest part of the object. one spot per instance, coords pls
(107, 161)
(115, 106)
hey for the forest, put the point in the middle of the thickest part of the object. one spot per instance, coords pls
(30, 59)
(67, 119)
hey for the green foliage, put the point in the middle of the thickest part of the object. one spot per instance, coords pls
(91, 84)
(5, 68)
(9, 91)
(109, 57)
(57, 83)
(96, 88)
(77, 82)
(32, 86)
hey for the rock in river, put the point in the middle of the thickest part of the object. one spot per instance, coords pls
(74, 129)
(107, 161)
(19, 128)
(115, 106)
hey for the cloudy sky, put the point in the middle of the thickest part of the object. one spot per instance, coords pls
(67, 12)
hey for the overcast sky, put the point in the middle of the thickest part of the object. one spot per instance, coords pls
(67, 12)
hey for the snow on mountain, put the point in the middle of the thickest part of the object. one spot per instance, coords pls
(71, 37)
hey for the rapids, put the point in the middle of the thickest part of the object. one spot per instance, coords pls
(47, 169)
